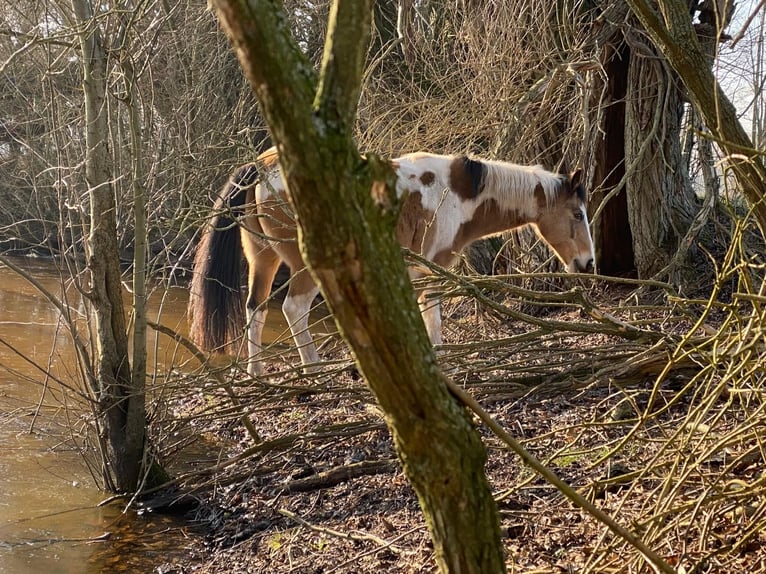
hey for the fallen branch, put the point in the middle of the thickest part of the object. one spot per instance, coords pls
(606, 324)
(200, 356)
(340, 474)
(358, 537)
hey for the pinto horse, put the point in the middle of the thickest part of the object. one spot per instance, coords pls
(448, 203)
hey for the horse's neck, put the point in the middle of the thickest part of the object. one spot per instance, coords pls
(491, 218)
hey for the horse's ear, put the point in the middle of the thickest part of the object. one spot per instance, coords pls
(576, 185)
(575, 179)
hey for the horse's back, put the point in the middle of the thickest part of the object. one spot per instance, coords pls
(269, 159)
(421, 168)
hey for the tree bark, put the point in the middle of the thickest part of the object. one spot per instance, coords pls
(661, 201)
(672, 32)
(113, 389)
(346, 212)
(613, 238)
(135, 435)
(645, 223)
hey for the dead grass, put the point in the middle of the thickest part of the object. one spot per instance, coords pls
(656, 417)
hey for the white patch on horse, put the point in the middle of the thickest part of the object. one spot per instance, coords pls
(571, 268)
(448, 209)
(296, 309)
(256, 321)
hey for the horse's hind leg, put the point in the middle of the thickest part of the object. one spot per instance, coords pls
(296, 307)
(263, 263)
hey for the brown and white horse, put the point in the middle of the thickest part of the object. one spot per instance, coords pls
(451, 201)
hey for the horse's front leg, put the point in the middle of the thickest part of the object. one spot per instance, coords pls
(256, 319)
(430, 310)
(296, 308)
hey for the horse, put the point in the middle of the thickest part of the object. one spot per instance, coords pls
(448, 202)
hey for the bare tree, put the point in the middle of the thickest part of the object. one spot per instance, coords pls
(672, 31)
(155, 144)
(120, 403)
(359, 267)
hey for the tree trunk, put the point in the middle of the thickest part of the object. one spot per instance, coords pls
(116, 397)
(673, 34)
(641, 167)
(612, 234)
(135, 435)
(347, 212)
(661, 201)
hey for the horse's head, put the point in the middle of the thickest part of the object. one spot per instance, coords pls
(563, 224)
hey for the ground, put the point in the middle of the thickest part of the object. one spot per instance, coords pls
(647, 427)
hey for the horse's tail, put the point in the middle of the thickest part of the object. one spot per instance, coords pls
(216, 309)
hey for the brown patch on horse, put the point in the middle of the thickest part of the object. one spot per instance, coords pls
(414, 223)
(268, 159)
(278, 226)
(488, 219)
(466, 177)
(427, 177)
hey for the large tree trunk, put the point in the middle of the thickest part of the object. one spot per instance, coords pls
(661, 201)
(675, 37)
(346, 213)
(612, 234)
(121, 407)
(640, 165)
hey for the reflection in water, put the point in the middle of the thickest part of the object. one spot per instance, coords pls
(49, 518)
(51, 523)
(48, 512)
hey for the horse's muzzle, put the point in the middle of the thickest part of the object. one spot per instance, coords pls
(589, 267)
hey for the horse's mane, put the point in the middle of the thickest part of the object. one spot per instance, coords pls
(510, 183)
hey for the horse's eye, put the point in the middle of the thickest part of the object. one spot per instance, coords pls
(578, 215)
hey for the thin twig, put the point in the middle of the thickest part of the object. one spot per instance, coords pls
(562, 486)
(200, 356)
(357, 537)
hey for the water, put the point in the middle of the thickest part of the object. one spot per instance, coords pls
(49, 518)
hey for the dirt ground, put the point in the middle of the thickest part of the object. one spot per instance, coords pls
(323, 492)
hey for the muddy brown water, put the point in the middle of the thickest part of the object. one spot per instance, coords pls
(50, 520)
